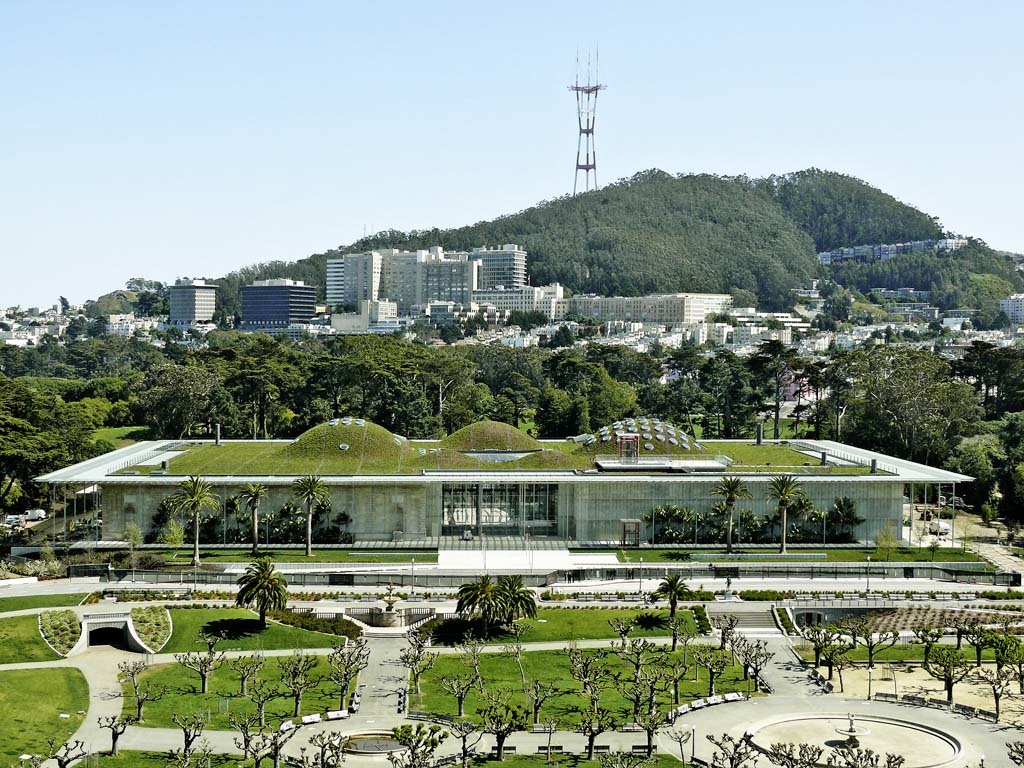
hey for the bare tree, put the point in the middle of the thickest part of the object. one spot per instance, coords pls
(143, 691)
(864, 758)
(591, 671)
(66, 753)
(191, 729)
(269, 744)
(592, 723)
(417, 658)
(998, 680)
(651, 720)
(117, 726)
(261, 693)
(330, 749)
(674, 669)
(677, 625)
(756, 657)
(949, 666)
(1015, 751)
(297, 676)
(716, 663)
(514, 650)
(345, 661)
(464, 731)
(731, 752)
(681, 738)
(622, 627)
(203, 664)
(471, 652)
(794, 755)
(537, 693)
(622, 760)
(459, 686)
(979, 637)
(638, 653)
(247, 667)
(726, 624)
(247, 726)
(821, 637)
(862, 632)
(928, 637)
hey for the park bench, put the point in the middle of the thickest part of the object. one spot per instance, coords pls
(311, 719)
(940, 703)
(828, 688)
(897, 596)
(826, 596)
(887, 696)
(682, 710)
(734, 696)
(805, 596)
(178, 589)
(964, 709)
(985, 713)
(966, 596)
(638, 748)
(556, 749)
(602, 749)
(632, 598)
(436, 599)
(630, 728)
(916, 700)
(919, 596)
(698, 704)
(712, 700)
(608, 598)
(944, 596)
(286, 726)
(368, 599)
(584, 598)
(337, 714)
(510, 749)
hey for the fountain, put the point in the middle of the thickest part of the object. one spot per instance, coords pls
(851, 732)
(373, 743)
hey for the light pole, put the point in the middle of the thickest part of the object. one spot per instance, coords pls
(412, 577)
(869, 683)
(693, 744)
(641, 591)
(867, 574)
(824, 512)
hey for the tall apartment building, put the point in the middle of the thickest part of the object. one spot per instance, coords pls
(353, 278)
(192, 302)
(665, 308)
(409, 278)
(277, 303)
(1013, 306)
(504, 266)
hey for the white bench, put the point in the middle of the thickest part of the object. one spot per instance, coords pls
(682, 710)
(712, 700)
(698, 704)
(734, 696)
(287, 725)
(337, 714)
(310, 719)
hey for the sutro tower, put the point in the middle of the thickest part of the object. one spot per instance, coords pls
(586, 111)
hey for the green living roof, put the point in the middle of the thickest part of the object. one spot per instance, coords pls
(358, 447)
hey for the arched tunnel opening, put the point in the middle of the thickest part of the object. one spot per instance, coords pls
(116, 637)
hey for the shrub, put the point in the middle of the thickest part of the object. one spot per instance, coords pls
(700, 617)
(153, 625)
(60, 629)
(330, 626)
(787, 625)
(547, 594)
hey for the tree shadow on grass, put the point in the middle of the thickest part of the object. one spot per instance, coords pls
(651, 621)
(233, 629)
(456, 631)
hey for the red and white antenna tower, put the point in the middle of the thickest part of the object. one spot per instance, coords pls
(586, 112)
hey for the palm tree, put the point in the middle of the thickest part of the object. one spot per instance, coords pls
(263, 586)
(673, 589)
(310, 490)
(785, 489)
(482, 598)
(731, 489)
(193, 496)
(517, 600)
(252, 494)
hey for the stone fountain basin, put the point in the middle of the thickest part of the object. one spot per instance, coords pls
(372, 743)
(922, 745)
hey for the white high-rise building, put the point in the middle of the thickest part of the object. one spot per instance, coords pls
(353, 278)
(1013, 306)
(665, 308)
(504, 266)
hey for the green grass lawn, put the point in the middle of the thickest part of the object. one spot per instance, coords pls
(128, 759)
(858, 555)
(20, 641)
(501, 672)
(120, 436)
(565, 624)
(40, 601)
(31, 702)
(184, 555)
(240, 629)
(223, 698)
(899, 652)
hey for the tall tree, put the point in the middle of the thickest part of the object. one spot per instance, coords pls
(263, 586)
(193, 497)
(730, 488)
(785, 490)
(310, 490)
(252, 494)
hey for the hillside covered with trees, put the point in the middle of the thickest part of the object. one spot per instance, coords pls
(655, 232)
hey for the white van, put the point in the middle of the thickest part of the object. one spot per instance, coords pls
(31, 515)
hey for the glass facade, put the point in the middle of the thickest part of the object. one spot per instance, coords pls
(500, 509)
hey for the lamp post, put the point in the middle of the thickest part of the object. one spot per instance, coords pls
(869, 683)
(693, 744)
(867, 574)
(641, 591)
(412, 577)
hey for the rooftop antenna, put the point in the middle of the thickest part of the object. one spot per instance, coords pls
(586, 112)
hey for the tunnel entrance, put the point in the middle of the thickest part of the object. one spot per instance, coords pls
(115, 637)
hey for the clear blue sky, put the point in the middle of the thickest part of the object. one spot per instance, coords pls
(170, 139)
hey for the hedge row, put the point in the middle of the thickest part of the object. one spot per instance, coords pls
(340, 626)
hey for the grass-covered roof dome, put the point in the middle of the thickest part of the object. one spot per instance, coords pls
(490, 436)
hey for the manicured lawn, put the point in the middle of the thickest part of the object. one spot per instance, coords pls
(20, 641)
(127, 759)
(900, 652)
(857, 555)
(240, 629)
(223, 698)
(501, 672)
(40, 601)
(120, 436)
(565, 624)
(31, 702)
(184, 555)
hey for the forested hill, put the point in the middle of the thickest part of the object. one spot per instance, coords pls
(755, 238)
(838, 211)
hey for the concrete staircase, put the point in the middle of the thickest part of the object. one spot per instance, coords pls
(755, 619)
